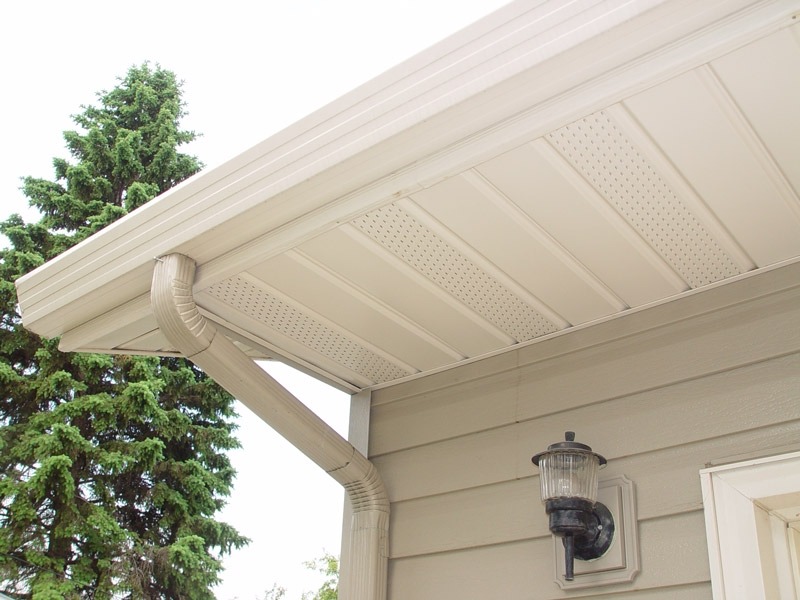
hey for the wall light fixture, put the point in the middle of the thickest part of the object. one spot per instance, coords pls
(568, 480)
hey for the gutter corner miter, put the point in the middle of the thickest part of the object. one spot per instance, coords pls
(195, 337)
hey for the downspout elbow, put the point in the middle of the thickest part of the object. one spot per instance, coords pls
(363, 484)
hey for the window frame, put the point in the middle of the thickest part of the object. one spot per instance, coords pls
(749, 550)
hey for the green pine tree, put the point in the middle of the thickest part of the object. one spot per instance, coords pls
(111, 467)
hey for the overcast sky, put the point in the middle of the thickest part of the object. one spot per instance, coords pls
(249, 70)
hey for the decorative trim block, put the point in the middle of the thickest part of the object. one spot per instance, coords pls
(621, 563)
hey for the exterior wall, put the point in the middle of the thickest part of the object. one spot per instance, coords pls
(661, 393)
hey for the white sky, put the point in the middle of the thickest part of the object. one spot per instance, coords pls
(250, 69)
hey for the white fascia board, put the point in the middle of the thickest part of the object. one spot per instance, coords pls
(416, 123)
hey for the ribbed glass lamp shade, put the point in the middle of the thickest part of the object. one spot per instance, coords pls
(568, 474)
(568, 469)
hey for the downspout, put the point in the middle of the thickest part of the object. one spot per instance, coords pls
(197, 339)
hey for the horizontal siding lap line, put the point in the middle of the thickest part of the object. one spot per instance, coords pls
(672, 553)
(676, 592)
(759, 439)
(688, 591)
(614, 460)
(534, 492)
(528, 538)
(593, 403)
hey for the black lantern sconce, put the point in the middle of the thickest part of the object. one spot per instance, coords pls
(568, 479)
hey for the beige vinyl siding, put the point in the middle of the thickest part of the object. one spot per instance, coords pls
(661, 393)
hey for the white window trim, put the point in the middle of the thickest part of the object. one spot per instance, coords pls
(744, 542)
